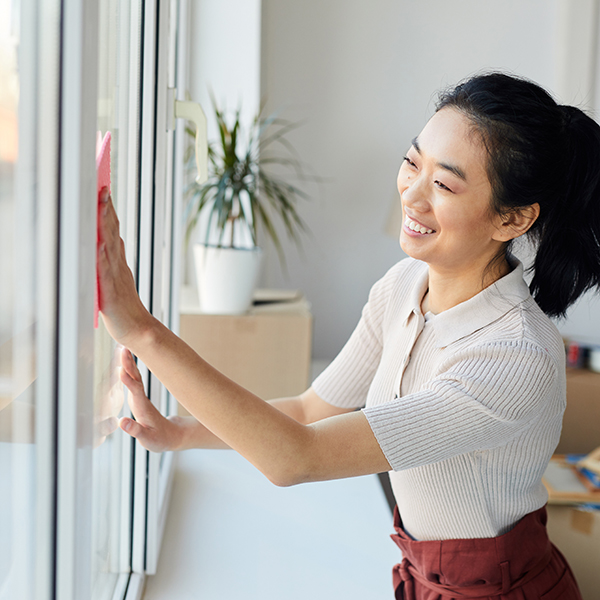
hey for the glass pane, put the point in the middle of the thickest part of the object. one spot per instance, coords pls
(118, 90)
(17, 332)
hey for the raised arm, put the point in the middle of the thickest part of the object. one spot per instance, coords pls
(158, 433)
(283, 449)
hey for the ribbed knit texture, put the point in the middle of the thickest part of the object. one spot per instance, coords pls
(467, 407)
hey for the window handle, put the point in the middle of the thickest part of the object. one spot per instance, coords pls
(192, 111)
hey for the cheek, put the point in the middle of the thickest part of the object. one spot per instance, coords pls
(466, 225)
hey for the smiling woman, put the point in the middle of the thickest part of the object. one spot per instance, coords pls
(459, 373)
(446, 198)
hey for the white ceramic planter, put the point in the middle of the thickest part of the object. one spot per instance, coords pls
(226, 278)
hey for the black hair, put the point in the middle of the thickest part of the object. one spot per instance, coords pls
(546, 153)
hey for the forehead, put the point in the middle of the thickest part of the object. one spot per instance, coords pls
(449, 137)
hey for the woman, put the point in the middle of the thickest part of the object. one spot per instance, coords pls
(460, 372)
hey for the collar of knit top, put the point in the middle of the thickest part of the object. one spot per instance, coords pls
(473, 314)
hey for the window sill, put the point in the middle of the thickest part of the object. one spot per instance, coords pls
(232, 534)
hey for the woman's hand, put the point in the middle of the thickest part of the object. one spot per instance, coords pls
(122, 310)
(154, 431)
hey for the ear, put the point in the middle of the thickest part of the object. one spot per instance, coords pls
(517, 223)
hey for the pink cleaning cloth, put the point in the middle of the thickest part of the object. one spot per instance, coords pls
(103, 177)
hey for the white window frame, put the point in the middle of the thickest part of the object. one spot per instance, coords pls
(162, 154)
(159, 238)
(56, 177)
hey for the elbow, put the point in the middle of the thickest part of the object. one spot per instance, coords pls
(287, 477)
(283, 482)
(293, 469)
(294, 462)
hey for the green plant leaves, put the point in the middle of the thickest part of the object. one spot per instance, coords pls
(240, 190)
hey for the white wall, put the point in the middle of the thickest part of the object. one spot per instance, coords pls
(225, 61)
(362, 75)
(225, 56)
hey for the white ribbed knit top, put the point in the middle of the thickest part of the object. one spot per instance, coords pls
(466, 406)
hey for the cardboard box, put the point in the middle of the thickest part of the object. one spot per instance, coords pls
(581, 423)
(266, 350)
(576, 533)
(574, 530)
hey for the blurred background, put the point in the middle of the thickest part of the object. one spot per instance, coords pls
(363, 78)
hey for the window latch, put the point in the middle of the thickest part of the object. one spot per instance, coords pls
(191, 111)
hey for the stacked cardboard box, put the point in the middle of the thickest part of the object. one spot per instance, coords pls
(576, 529)
(266, 350)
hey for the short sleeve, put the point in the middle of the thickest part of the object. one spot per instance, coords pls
(347, 379)
(483, 398)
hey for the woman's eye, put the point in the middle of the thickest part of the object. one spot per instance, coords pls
(442, 186)
(410, 162)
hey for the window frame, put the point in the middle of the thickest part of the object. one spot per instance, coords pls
(76, 257)
(154, 223)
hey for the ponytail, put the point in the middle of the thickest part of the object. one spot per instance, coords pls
(540, 152)
(567, 262)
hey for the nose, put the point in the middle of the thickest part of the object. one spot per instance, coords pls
(413, 192)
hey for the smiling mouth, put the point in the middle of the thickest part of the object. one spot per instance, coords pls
(417, 227)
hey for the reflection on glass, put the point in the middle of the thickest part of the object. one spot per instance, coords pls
(111, 481)
(17, 333)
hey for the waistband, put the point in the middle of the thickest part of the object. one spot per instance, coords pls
(472, 568)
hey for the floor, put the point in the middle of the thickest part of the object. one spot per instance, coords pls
(232, 535)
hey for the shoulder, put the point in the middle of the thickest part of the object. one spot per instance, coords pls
(517, 377)
(530, 328)
(502, 318)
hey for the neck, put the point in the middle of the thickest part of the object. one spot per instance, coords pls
(447, 289)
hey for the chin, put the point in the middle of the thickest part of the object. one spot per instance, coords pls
(409, 248)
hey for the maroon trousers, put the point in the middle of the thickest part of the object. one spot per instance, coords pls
(520, 565)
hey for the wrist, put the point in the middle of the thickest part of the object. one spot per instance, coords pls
(182, 428)
(146, 333)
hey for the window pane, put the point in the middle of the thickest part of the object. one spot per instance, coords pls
(118, 91)
(18, 246)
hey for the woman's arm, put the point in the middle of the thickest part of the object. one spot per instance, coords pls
(285, 450)
(158, 433)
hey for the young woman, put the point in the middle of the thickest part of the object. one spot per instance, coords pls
(458, 369)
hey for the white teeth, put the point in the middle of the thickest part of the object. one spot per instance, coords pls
(416, 227)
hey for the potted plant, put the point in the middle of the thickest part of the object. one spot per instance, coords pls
(239, 199)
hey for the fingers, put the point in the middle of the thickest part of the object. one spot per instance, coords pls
(142, 409)
(107, 218)
(108, 246)
(130, 426)
(135, 386)
(128, 363)
(111, 250)
(123, 313)
(149, 438)
(135, 429)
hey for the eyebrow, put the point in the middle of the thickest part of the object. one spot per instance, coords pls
(451, 168)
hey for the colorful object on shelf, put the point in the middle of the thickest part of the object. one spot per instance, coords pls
(594, 362)
(576, 355)
(591, 461)
(103, 180)
(582, 354)
(566, 485)
(579, 462)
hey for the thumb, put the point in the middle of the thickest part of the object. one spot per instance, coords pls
(145, 435)
(134, 429)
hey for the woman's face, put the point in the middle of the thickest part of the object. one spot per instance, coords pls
(446, 197)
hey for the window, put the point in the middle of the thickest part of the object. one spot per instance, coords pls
(28, 226)
(86, 507)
